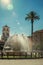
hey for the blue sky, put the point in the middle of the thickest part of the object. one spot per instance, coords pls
(13, 13)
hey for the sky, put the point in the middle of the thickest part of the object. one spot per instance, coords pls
(13, 13)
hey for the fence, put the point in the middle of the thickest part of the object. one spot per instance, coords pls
(21, 55)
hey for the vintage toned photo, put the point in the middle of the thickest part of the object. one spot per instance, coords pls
(21, 29)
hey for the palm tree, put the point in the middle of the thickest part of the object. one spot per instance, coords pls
(32, 16)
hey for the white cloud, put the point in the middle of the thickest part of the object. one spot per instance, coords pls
(14, 14)
(7, 4)
(18, 22)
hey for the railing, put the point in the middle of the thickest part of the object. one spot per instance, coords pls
(21, 55)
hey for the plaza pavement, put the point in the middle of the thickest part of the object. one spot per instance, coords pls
(22, 62)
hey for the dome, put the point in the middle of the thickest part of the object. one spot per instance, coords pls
(18, 42)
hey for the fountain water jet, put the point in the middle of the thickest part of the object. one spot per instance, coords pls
(19, 42)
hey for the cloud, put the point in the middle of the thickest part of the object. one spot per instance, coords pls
(18, 22)
(7, 4)
(14, 14)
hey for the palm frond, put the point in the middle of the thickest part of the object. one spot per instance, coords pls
(37, 17)
(26, 18)
(32, 15)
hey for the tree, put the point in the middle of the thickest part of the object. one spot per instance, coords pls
(32, 16)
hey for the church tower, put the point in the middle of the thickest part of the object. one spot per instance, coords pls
(5, 33)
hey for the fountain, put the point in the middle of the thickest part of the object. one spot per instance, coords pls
(19, 42)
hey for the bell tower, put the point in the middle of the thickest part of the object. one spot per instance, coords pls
(5, 33)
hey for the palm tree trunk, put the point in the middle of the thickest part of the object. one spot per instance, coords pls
(31, 32)
(31, 27)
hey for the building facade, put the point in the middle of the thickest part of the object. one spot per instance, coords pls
(38, 40)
